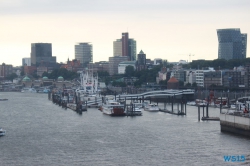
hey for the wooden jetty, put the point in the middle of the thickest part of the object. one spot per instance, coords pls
(210, 118)
(173, 98)
(206, 117)
(131, 110)
(173, 112)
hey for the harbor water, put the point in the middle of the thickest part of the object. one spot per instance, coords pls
(39, 132)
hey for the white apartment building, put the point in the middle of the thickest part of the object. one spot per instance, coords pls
(200, 76)
(190, 76)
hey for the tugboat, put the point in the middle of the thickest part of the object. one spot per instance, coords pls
(2, 132)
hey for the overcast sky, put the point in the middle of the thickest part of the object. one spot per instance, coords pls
(167, 29)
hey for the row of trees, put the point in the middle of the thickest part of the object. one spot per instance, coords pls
(66, 74)
(144, 76)
(217, 63)
(147, 75)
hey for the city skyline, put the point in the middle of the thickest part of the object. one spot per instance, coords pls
(163, 29)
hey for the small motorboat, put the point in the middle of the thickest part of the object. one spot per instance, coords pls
(2, 132)
(3, 99)
(151, 108)
(192, 103)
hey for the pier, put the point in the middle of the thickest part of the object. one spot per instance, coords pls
(174, 98)
(205, 113)
(235, 124)
(168, 97)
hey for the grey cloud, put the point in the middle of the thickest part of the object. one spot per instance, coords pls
(55, 6)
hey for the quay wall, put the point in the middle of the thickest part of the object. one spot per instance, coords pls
(235, 124)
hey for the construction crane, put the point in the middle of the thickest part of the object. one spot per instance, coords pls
(190, 57)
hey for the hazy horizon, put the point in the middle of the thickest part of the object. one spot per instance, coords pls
(164, 29)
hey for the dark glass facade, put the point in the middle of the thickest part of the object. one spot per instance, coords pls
(41, 52)
(232, 44)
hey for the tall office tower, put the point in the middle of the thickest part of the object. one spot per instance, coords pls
(83, 52)
(26, 62)
(132, 49)
(41, 52)
(117, 47)
(232, 44)
(125, 51)
(125, 47)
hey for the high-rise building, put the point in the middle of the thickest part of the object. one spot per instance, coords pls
(132, 49)
(141, 58)
(84, 53)
(26, 62)
(125, 51)
(141, 61)
(125, 47)
(117, 47)
(244, 44)
(5, 70)
(232, 44)
(41, 52)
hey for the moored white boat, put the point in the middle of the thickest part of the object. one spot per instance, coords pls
(29, 90)
(2, 132)
(151, 108)
(192, 103)
(233, 106)
(137, 110)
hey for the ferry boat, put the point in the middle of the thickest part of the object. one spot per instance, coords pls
(113, 108)
(2, 132)
(151, 108)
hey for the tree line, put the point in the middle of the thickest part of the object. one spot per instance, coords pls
(144, 76)
(66, 74)
(217, 64)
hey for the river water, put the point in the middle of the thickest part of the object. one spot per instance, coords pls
(39, 132)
